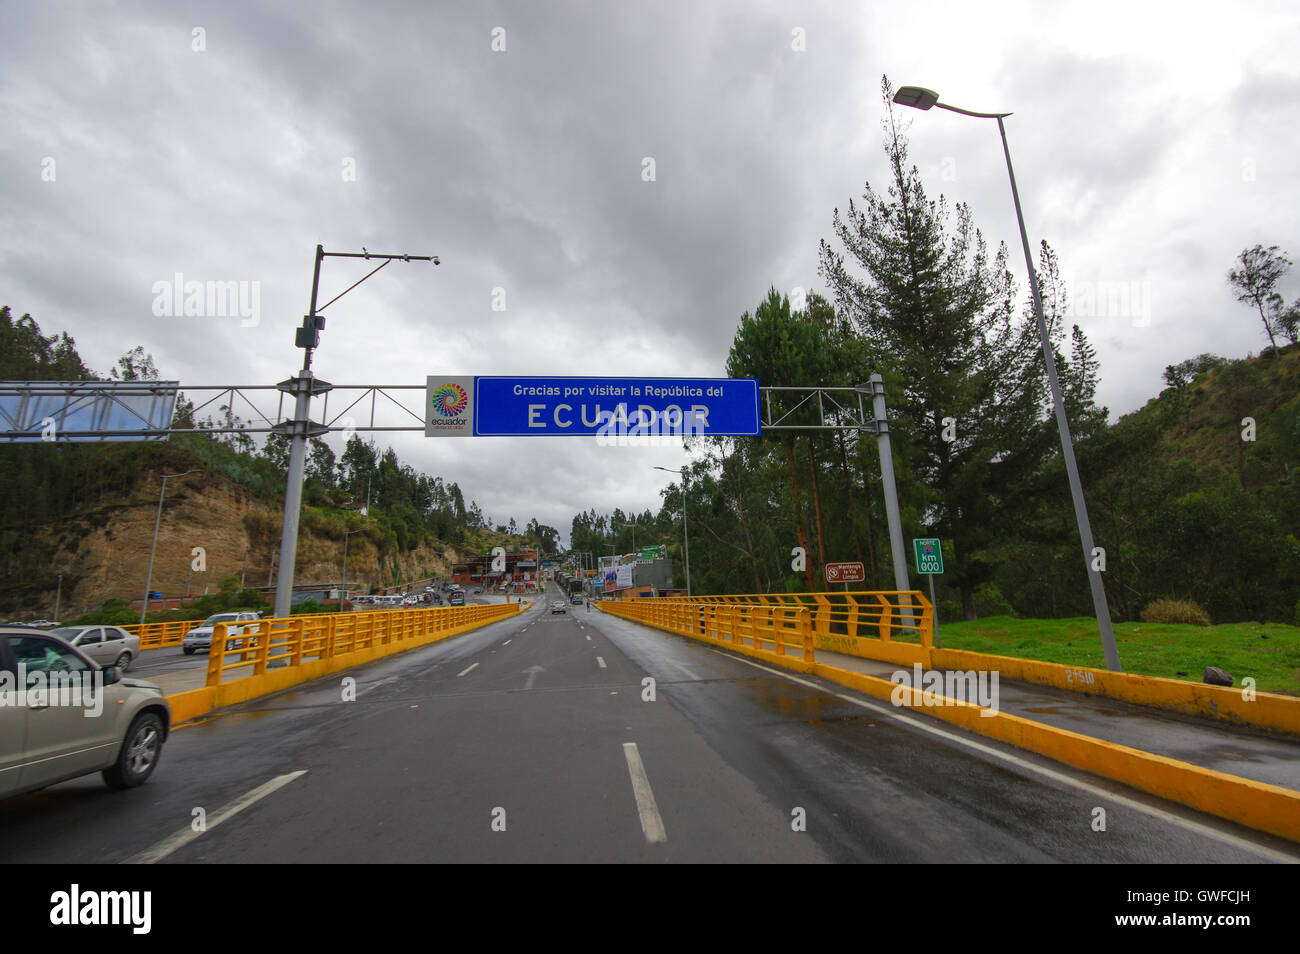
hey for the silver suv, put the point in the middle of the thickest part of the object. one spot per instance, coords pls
(62, 716)
(200, 637)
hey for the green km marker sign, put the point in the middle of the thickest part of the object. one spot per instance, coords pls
(929, 555)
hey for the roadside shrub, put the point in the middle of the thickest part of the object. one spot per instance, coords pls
(114, 612)
(1175, 611)
(989, 601)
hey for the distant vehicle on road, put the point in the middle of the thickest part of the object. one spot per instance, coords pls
(123, 743)
(42, 623)
(106, 645)
(576, 600)
(558, 607)
(456, 598)
(200, 637)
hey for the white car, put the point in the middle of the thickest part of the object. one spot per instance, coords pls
(106, 645)
(200, 637)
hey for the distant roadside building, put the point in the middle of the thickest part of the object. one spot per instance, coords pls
(518, 575)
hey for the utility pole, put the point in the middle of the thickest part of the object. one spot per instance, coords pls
(304, 386)
(148, 580)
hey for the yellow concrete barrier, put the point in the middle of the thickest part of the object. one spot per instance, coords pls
(886, 626)
(275, 654)
(1257, 805)
(1267, 710)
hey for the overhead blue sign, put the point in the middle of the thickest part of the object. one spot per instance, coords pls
(614, 408)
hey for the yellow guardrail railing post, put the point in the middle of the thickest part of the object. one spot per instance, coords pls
(215, 657)
(823, 618)
(263, 654)
(886, 616)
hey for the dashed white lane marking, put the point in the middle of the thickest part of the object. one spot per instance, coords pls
(683, 669)
(507, 642)
(588, 639)
(1099, 792)
(601, 662)
(651, 824)
(186, 835)
(464, 671)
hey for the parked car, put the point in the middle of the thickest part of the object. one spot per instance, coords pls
(106, 645)
(200, 637)
(558, 607)
(44, 742)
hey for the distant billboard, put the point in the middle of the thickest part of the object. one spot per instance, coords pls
(68, 411)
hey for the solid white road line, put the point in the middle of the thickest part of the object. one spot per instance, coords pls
(186, 835)
(601, 662)
(651, 824)
(1187, 823)
(464, 671)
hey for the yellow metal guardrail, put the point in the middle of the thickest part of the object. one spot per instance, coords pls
(895, 625)
(750, 629)
(268, 643)
(275, 654)
(164, 635)
(161, 635)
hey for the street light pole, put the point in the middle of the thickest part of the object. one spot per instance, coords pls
(148, 580)
(686, 533)
(304, 386)
(920, 98)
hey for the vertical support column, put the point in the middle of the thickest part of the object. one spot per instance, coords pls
(901, 582)
(303, 386)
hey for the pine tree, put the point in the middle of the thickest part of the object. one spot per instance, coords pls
(942, 313)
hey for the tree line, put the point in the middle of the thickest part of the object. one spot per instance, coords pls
(1186, 501)
(64, 486)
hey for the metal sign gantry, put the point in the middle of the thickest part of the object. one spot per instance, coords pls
(365, 408)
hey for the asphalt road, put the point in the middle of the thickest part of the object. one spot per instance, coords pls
(533, 740)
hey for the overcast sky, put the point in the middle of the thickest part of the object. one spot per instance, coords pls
(1152, 142)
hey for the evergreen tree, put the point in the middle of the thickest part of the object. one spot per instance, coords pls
(933, 301)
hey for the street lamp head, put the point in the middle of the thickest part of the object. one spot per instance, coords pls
(918, 97)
